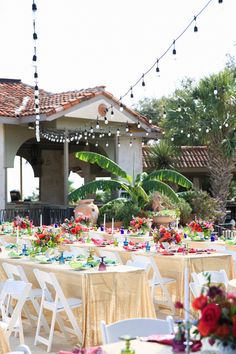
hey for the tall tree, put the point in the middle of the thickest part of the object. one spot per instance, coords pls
(205, 113)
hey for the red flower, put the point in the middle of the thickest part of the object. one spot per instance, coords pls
(234, 330)
(179, 305)
(222, 331)
(209, 321)
(199, 302)
(73, 230)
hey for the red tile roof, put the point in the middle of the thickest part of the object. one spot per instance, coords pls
(190, 157)
(13, 92)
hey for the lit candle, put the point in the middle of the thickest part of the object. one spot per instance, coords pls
(17, 234)
(41, 220)
(186, 295)
(112, 225)
(104, 222)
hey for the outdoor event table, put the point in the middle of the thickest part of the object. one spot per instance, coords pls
(173, 266)
(118, 293)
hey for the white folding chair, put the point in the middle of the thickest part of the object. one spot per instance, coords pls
(56, 303)
(140, 261)
(16, 272)
(21, 349)
(110, 255)
(161, 282)
(217, 277)
(11, 320)
(78, 251)
(195, 289)
(136, 327)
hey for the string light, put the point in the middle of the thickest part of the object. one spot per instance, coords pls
(138, 125)
(157, 67)
(96, 144)
(131, 92)
(127, 128)
(118, 132)
(195, 29)
(112, 112)
(174, 50)
(97, 124)
(164, 113)
(143, 143)
(118, 142)
(91, 130)
(107, 144)
(150, 121)
(130, 143)
(179, 108)
(121, 105)
(105, 120)
(36, 88)
(109, 133)
(143, 82)
(215, 91)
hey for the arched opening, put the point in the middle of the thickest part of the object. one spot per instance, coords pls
(21, 178)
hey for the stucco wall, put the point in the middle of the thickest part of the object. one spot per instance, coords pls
(130, 158)
(2, 168)
(52, 181)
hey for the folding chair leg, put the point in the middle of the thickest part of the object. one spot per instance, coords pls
(61, 325)
(28, 315)
(21, 334)
(50, 338)
(37, 308)
(38, 324)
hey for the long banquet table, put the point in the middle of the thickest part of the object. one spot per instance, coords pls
(119, 292)
(173, 266)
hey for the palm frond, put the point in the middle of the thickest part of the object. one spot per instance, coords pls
(159, 186)
(170, 176)
(92, 187)
(103, 162)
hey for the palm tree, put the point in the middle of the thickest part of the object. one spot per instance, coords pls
(162, 155)
(137, 190)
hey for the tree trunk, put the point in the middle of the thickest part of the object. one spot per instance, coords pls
(221, 173)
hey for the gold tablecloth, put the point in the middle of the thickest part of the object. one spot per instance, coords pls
(4, 344)
(118, 293)
(173, 266)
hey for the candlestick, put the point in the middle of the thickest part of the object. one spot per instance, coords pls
(41, 220)
(104, 222)
(187, 309)
(186, 294)
(17, 235)
(112, 225)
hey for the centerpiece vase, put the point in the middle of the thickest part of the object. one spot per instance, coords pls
(88, 208)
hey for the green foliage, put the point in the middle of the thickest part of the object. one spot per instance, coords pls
(203, 205)
(151, 108)
(122, 209)
(162, 155)
(138, 189)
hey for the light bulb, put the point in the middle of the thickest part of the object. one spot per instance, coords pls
(143, 143)
(105, 120)
(188, 135)
(93, 136)
(207, 130)
(226, 125)
(220, 127)
(130, 143)
(200, 129)
(91, 130)
(97, 125)
(121, 107)
(179, 108)
(131, 92)
(85, 132)
(215, 91)
(147, 133)
(150, 121)
(109, 133)
(127, 129)
(112, 112)
(107, 144)
(138, 125)
(96, 144)
(118, 132)
(87, 143)
(172, 139)
(181, 131)
(164, 114)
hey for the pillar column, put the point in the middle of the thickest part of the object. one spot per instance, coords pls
(3, 180)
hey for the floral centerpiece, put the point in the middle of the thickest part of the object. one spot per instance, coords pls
(140, 226)
(167, 235)
(82, 219)
(46, 239)
(217, 320)
(74, 227)
(201, 226)
(23, 224)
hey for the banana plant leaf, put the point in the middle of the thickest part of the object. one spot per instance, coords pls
(103, 162)
(170, 176)
(92, 187)
(159, 186)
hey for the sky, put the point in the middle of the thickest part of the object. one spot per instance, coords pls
(89, 43)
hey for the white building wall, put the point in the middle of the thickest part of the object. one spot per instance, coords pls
(2, 168)
(130, 158)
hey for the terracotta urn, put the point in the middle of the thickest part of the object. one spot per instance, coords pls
(88, 208)
(163, 220)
